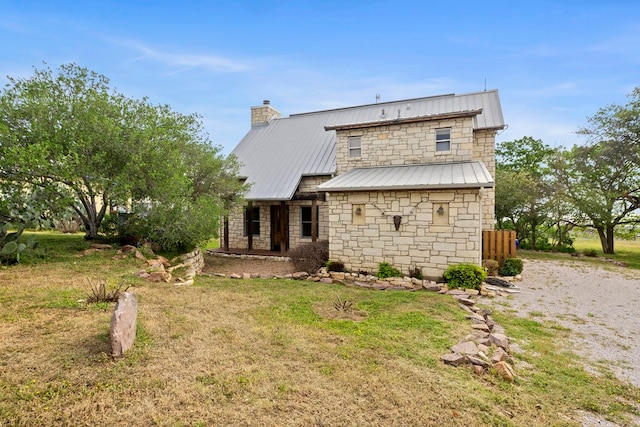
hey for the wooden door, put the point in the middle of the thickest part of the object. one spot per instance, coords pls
(280, 227)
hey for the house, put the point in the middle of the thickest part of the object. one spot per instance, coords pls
(407, 182)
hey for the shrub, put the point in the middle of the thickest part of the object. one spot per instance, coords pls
(590, 252)
(385, 270)
(336, 266)
(310, 257)
(511, 267)
(465, 275)
(492, 266)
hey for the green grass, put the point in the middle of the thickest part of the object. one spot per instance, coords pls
(276, 352)
(625, 250)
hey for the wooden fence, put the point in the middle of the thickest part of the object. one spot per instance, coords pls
(498, 245)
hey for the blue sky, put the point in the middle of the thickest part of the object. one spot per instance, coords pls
(554, 62)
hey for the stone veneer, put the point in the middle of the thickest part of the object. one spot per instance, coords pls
(414, 143)
(237, 239)
(418, 242)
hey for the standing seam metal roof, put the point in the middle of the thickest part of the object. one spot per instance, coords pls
(275, 156)
(412, 177)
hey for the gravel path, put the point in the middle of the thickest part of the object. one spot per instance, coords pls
(600, 304)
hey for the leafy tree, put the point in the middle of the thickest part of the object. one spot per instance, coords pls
(602, 180)
(89, 147)
(523, 186)
(595, 181)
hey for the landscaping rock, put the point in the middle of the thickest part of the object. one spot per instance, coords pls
(499, 340)
(478, 361)
(123, 324)
(466, 347)
(478, 370)
(454, 359)
(504, 370)
(499, 355)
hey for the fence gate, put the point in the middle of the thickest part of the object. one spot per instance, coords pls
(498, 245)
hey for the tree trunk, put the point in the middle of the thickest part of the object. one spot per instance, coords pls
(610, 240)
(534, 225)
(606, 239)
(91, 230)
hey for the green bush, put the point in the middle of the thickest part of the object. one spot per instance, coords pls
(511, 267)
(385, 270)
(469, 276)
(590, 252)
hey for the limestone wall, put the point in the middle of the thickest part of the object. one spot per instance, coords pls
(237, 239)
(408, 143)
(484, 149)
(425, 239)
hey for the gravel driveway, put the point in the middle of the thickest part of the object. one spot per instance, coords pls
(600, 304)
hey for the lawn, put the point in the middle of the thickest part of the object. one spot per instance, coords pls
(267, 353)
(627, 251)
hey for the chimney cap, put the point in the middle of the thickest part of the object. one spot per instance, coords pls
(266, 102)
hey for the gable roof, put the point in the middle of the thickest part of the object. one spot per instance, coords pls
(412, 177)
(274, 157)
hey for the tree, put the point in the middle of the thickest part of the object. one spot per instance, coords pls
(595, 180)
(602, 179)
(523, 186)
(88, 147)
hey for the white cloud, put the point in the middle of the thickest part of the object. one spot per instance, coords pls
(184, 61)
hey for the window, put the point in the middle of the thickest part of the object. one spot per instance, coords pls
(443, 139)
(305, 221)
(355, 148)
(255, 221)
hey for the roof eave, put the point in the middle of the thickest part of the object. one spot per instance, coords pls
(402, 120)
(406, 187)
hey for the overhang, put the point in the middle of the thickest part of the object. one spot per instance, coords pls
(412, 177)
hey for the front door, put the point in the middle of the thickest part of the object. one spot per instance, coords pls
(280, 227)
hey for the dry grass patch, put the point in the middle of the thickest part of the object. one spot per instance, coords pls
(268, 352)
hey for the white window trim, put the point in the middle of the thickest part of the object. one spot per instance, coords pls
(448, 140)
(353, 149)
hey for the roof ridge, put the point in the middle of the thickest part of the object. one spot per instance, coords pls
(446, 95)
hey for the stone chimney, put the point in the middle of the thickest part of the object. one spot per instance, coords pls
(263, 114)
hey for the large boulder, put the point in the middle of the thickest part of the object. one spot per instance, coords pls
(123, 324)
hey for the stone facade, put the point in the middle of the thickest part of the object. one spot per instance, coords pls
(425, 239)
(407, 143)
(263, 114)
(238, 239)
(432, 229)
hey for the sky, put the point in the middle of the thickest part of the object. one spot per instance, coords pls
(555, 63)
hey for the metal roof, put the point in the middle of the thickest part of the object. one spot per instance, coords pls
(412, 177)
(274, 157)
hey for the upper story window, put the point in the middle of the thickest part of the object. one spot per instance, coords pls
(443, 139)
(355, 147)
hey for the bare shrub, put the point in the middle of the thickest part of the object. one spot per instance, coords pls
(310, 257)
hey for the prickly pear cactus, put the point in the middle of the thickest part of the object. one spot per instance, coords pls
(10, 247)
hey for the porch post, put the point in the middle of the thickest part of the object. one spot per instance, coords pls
(314, 220)
(283, 226)
(249, 225)
(226, 233)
